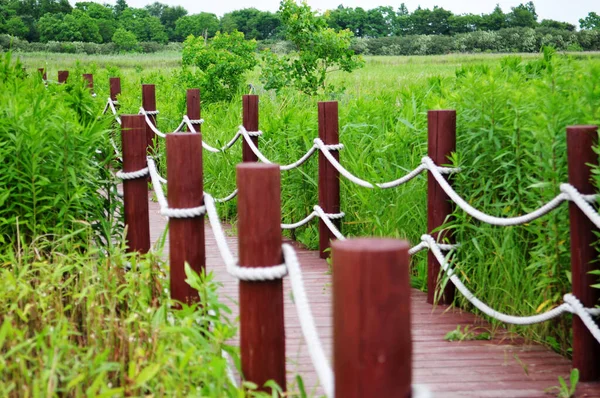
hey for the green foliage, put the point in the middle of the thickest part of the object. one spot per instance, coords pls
(465, 335)
(221, 64)
(563, 390)
(52, 179)
(125, 40)
(319, 51)
(76, 324)
(253, 23)
(592, 21)
(199, 25)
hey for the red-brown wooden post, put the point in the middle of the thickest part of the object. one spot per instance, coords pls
(581, 158)
(262, 336)
(329, 177)
(42, 73)
(372, 351)
(63, 75)
(115, 87)
(193, 106)
(186, 235)
(441, 142)
(250, 123)
(149, 105)
(89, 78)
(135, 192)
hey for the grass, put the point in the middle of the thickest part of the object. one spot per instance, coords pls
(512, 114)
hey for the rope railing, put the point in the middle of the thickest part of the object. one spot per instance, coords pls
(571, 303)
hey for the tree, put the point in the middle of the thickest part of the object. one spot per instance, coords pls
(319, 50)
(125, 40)
(222, 64)
(494, 21)
(120, 6)
(522, 16)
(143, 25)
(197, 25)
(253, 23)
(592, 21)
(16, 27)
(550, 23)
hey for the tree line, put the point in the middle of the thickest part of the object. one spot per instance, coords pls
(57, 21)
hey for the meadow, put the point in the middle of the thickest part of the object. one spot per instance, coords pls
(512, 113)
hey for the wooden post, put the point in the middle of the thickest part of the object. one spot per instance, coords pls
(250, 122)
(135, 192)
(42, 73)
(186, 235)
(89, 78)
(149, 104)
(63, 75)
(441, 142)
(262, 336)
(372, 351)
(329, 177)
(115, 87)
(581, 157)
(193, 106)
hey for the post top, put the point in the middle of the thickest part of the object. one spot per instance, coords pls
(184, 135)
(582, 127)
(370, 245)
(256, 166)
(441, 111)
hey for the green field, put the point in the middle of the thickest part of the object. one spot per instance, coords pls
(512, 115)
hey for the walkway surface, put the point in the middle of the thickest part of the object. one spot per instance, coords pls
(502, 367)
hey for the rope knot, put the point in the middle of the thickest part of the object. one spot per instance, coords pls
(132, 175)
(243, 131)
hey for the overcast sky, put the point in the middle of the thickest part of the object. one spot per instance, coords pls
(561, 10)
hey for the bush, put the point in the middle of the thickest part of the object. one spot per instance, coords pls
(125, 40)
(51, 180)
(222, 64)
(148, 47)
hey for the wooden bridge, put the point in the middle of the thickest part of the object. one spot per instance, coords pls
(504, 366)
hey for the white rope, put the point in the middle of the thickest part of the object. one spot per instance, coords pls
(111, 104)
(582, 201)
(149, 122)
(209, 148)
(228, 197)
(165, 210)
(359, 181)
(191, 122)
(305, 220)
(307, 322)
(568, 192)
(326, 219)
(247, 137)
(229, 364)
(515, 320)
(584, 313)
(132, 175)
(242, 273)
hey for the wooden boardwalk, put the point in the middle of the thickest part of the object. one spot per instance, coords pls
(502, 367)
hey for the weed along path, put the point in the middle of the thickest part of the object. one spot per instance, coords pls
(504, 366)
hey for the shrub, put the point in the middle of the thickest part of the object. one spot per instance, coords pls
(52, 178)
(125, 40)
(222, 63)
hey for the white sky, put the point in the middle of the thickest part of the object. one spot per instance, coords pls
(561, 10)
